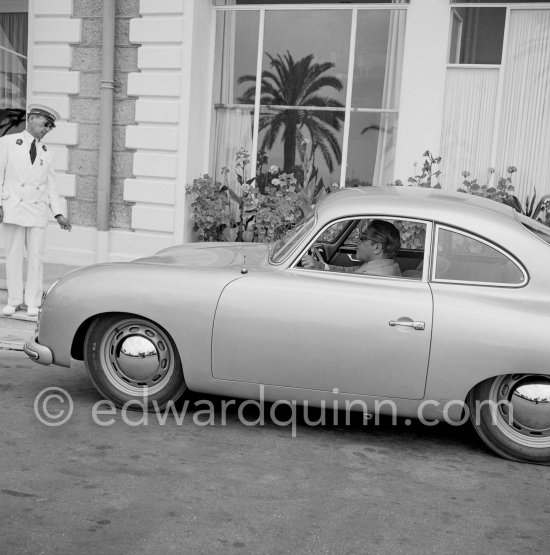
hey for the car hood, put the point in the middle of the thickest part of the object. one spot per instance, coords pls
(212, 255)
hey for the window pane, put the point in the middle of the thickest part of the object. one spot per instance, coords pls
(371, 149)
(464, 258)
(307, 143)
(378, 58)
(13, 60)
(306, 57)
(268, 2)
(236, 52)
(477, 35)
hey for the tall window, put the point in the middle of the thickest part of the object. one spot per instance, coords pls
(13, 69)
(313, 91)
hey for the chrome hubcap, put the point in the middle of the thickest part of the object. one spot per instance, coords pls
(137, 357)
(523, 412)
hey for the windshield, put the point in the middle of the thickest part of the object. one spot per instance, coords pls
(286, 244)
(539, 229)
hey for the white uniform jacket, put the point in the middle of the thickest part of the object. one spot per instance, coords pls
(27, 190)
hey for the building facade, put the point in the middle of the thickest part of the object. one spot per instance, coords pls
(154, 93)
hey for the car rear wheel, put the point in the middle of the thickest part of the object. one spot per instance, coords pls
(511, 414)
(130, 358)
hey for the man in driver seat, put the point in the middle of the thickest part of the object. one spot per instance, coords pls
(378, 246)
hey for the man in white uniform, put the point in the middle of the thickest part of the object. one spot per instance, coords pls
(28, 193)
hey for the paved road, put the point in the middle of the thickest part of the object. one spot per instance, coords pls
(180, 487)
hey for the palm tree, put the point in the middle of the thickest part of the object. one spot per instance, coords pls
(297, 84)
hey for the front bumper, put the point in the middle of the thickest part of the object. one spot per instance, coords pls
(38, 353)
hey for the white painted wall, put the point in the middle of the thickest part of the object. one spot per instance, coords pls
(423, 84)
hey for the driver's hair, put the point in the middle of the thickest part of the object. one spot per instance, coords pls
(387, 235)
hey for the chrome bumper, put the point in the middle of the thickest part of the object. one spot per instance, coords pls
(38, 353)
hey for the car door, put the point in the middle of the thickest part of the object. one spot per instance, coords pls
(324, 331)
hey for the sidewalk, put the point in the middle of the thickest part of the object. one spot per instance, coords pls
(16, 329)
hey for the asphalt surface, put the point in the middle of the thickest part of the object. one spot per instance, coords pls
(105, 482)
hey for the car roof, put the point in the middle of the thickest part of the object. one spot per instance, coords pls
(459, 209)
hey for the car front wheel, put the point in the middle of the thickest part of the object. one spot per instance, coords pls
(133, 362)
(511, 414)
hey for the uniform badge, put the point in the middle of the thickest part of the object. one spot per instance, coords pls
(44, 148)
(19, 142)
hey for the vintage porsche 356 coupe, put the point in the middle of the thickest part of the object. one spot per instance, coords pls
(462, 332)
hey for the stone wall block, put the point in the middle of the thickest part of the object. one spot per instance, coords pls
(57, 30)
(153, 191)
(124, 112)
(122, 32)
(82, 212)
(85, 109)
(155, 165)
(120, 216)
(86, 187)
(117, 190)
(91, 31)
(150, 7)
(159, 57)
(50, 81)
(88, 136)
(121, 85)
(47, 55)
(84, 162)
(152, 137)
(122, 164)
(86, 58)
(157, 111)
(53, 7)
(87, 8)
(126, 59)
(94, 8)
(157, 84)
(89, 84)
(119, 137)
(156, 30)
(152, 218)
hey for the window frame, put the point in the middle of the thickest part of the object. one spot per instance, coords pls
(486, 242)
(354, 8)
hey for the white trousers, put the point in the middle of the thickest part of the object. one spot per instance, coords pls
(17, 239)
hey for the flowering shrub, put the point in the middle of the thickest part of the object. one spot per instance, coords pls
(209, 208)
(499, 193)
(279, 208)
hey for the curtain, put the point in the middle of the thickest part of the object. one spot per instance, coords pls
(13, 60)
(524, 134)
(385, 154)
(468, 120)
(233, 132)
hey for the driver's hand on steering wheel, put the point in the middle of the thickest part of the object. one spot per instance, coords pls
(311, 263)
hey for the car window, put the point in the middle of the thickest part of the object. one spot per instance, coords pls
(462, 257)
(284, 246)
(338, 243)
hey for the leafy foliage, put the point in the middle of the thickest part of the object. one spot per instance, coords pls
(209, 208)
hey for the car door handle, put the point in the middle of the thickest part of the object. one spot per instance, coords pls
(416, 325)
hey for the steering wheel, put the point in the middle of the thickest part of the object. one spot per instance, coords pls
(316, 253)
